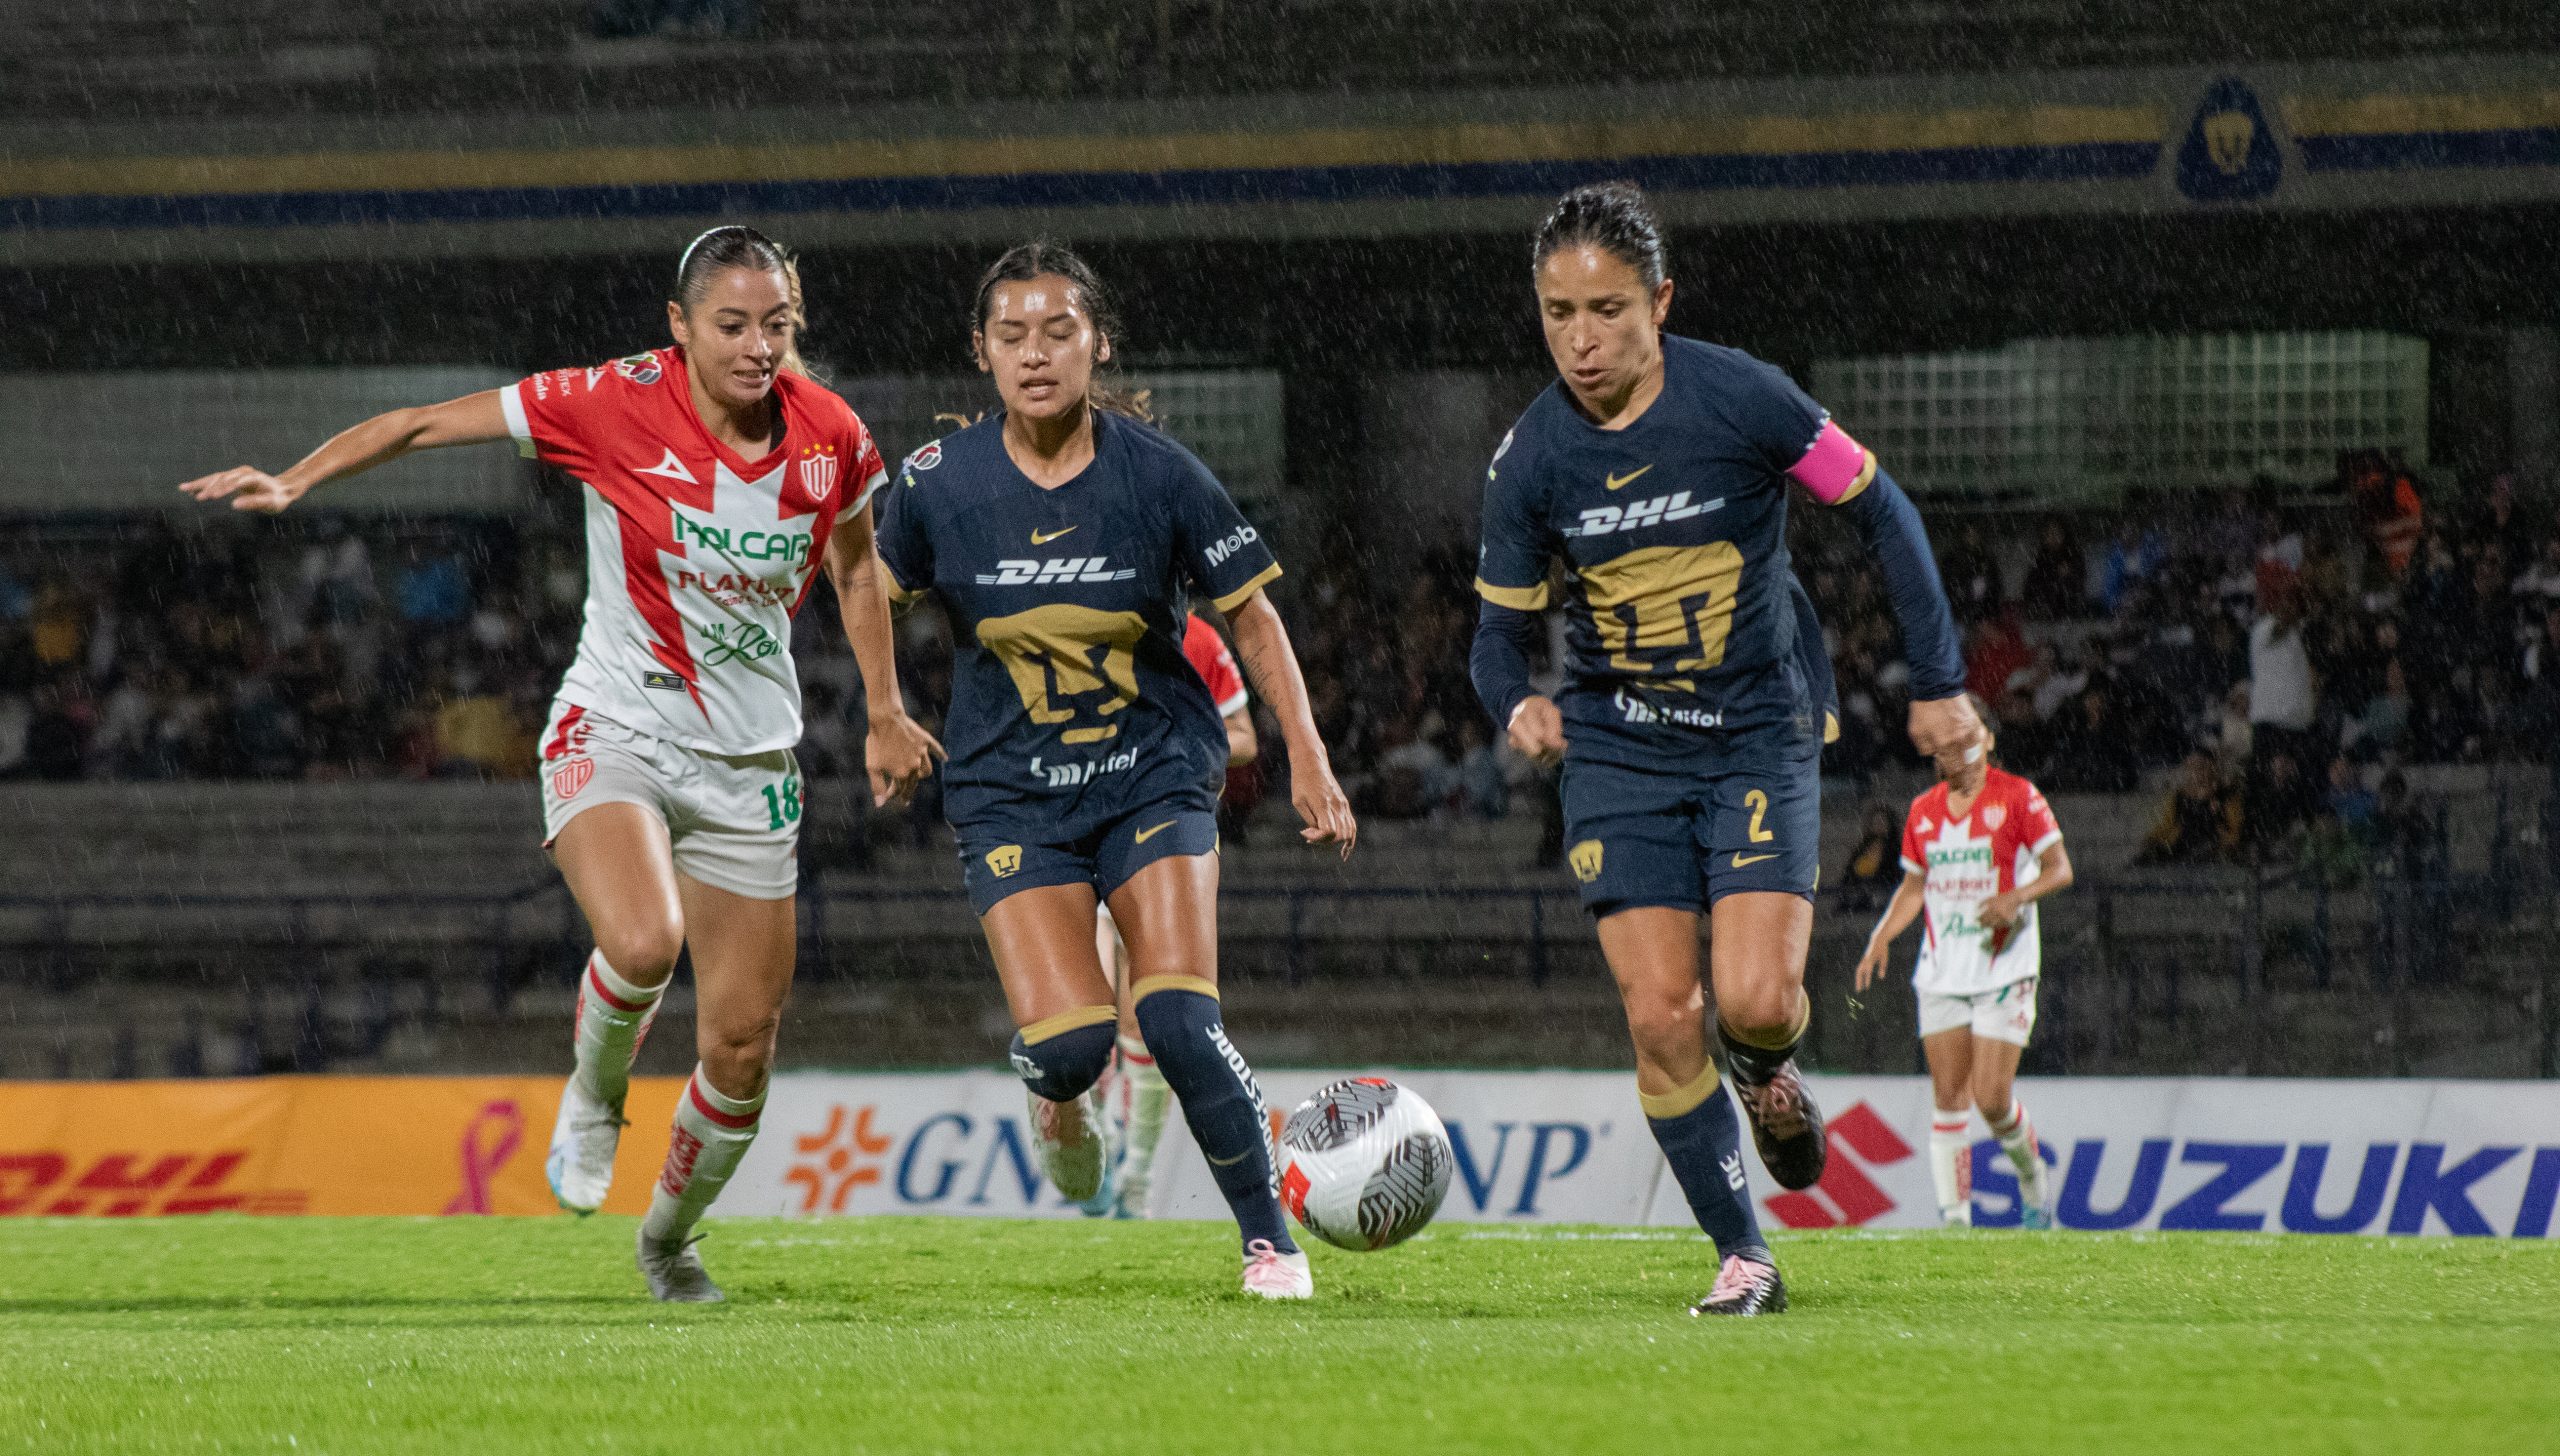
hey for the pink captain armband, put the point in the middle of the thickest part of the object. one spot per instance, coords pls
(1835, 468)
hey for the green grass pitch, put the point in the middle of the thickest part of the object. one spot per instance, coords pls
(913, 1335)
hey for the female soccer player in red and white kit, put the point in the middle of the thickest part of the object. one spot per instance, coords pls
(1979, 849)
(717, 479)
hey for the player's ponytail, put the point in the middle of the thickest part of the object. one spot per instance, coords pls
(1611, 216)
(1026, 261)
(733, 245)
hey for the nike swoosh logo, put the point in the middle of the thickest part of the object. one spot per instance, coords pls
(1227, 1162)
(1145, 834)
(1039, 540)
(1743, 864)
(1615, 481)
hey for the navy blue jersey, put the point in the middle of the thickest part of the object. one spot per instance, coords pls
(1071, 701)
(1682, 611)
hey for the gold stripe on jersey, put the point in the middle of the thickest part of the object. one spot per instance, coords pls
(899, 591)
(1237, 598)
(1517, 598)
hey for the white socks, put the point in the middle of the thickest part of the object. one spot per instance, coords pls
(2018, 1139)
(712, 1133)
(613, 1019)
(1951, 1165)
(1149, 1097)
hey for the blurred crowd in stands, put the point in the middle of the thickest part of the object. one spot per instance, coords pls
(2275, 658)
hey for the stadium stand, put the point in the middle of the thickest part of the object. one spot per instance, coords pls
(133, 61)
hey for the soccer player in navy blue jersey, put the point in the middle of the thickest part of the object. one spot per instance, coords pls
(1066, 538)
(1697, 693)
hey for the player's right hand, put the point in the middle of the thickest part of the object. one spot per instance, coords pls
(1537, 730)
(1871, 965)
(899, 756)
(1317, 796)
(247, 487)
(1946, 725)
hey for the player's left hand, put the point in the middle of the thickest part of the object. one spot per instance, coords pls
(1320, 801)
(2000, 912)
(900, 755)
(1940, 724)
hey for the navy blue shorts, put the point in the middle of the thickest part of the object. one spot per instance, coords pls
(999, 860)
(1735, 815)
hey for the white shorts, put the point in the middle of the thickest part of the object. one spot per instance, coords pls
(733, 823)
(2006, 1013)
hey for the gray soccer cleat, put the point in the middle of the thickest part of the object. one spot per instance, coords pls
(676, 1275)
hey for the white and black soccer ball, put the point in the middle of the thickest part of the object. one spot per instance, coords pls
(1364, 1163)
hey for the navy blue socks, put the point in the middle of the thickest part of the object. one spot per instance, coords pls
(1178, 1016)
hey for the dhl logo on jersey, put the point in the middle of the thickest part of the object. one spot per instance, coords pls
(1055, 570)
(1635, 515)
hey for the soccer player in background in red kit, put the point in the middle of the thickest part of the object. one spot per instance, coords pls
(1978, 850)
(1132, 1095)
(718, 479)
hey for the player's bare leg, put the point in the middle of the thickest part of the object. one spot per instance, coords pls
(616, 859)
(1168, 914)
(1653, 954)
(1043, 943)
(743, 949)
(1950, 1056)
(1995, 1091)
(1759, 940)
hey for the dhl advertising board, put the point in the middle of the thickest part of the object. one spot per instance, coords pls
(2479, 1159)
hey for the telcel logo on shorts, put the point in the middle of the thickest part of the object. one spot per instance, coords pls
(1003, 860)
(1585, 858)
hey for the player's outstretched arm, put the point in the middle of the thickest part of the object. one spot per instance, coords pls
(1897, 919)
(898, 752)
(2053, 872)
(1262, 640)
(471, 420)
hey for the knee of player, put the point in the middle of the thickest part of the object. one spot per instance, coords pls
(741, 1047)
(1060, 1057)
(643, 953)
(1664, 1021)
(1992, 1094)
(1756, 1013)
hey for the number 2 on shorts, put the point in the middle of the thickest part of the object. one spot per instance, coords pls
(1758, 803)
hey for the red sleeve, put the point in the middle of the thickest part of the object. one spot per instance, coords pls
(1913, 860)
(557, 417)
(869, 471)
(2034, 818)
(1216, 666)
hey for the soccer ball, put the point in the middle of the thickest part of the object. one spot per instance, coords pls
(1364, 1163)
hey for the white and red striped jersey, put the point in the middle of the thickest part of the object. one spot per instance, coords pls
(1216, 665)
(696, 557)
(1994, 848)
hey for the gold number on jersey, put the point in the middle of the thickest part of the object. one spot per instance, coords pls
(1665, 599)
(1758, 803)
(1070, 664)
